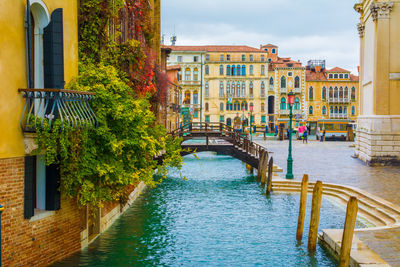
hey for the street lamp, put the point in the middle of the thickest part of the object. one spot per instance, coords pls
(251, 116)
(289, 174)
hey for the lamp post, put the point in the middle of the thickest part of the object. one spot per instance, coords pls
(289, 174)
(251, 116)
(1, 211)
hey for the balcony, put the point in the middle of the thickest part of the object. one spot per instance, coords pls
(284, 90)
(187, 82)
(297, 90)
(271, 88)
(340, 116)
(287, 111)
(70, 107)
(338, 100)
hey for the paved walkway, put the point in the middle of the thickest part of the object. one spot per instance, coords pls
(332, 162)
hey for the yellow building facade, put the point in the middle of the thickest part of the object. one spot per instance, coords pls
(378, 128)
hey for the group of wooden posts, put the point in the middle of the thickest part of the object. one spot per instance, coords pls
(265, 169)
(351, 216)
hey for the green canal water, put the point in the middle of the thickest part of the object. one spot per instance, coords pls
(219, 216)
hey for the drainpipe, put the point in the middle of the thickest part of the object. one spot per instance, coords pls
(28, 30)
(1, 211)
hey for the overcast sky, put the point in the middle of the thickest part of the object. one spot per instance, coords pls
(303, 29)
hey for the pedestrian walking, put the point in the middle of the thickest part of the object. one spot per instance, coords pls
(318, 133)
(305, 135)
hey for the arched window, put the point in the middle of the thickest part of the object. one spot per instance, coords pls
(195, 98)
(238, 89)
(251, 70)
(237, 106)
(262, 89)
(221, 106)
(353, 93)
(243, 89)
(340, 110)
(243, 70)
(336, 93)
(228, 89)
(243, 57)
(353, 110)
(188, 74)
(283, 82)
(311, 110)
(262, 107)
(251, 106)
(330, 92)
(297, 103)
(251, 90)
(221, 70)
(196, 74)
(233, 70)
(238, 70)
(228, 70)
(271, 84)
(345, 110)
(180, 75)
(311, 93)
(336, 110)
(233, 89)
(283, 103)
(187, 99)
(331, 110)
(297, 82)
(341, 93)
(244, 105)
(221, 89)
(206, 106)
(323, 110)
(207, 90)
(324, 92)
(262, 70)
(346, 93)
(207, 70)
(229, 121)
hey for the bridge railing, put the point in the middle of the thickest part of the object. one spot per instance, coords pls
(206, 128)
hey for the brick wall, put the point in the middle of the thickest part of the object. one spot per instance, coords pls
(40, 242)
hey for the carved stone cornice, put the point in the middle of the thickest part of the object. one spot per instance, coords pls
(381, 10)
(361, 29)
(359, 8)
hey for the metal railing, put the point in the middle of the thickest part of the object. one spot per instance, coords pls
(70, 107)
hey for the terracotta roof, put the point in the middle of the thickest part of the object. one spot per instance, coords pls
(322, 76)
(284, 62)
(217, 48)
(337, 69)
(354, 78)
(269, 45)
(174, 67)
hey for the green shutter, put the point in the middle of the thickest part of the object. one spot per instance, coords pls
(29, 190)
(52, 187)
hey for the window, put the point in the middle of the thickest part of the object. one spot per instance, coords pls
(233, 70)
(263, 119)
(290, 74)
(195, 59)
(187, 99)
(311, 110)
(273, 50)
(196, 114)
(207, 118)
(323, 110)
(341, 93)
(311, 93)
(283, 82)
(346, 93)
(336, 93)
(244, 106)
(236, 106)
(228, 70)
(188, 74)
(221, 57)
(228, 89)
(346, 76)
(262, 107)
(229, 121)
(180, 76)
(243, 57)
(345, 110)
(297, 82)
(229, 106)
(195, 98)
(353, 93)
(251, 72)
(269, 60)
(196, 74)
(336, 110)
(262, 89)
(331, 76)
(262, 58)
(271, 83)
(262, 70)
(222, 118)
(297, 103)
(323, 93)
(330, 92)
(207, 90)
(207, 70)
(340, 110)
(207, 57)
(336, 76)
(251, 89)
(251, 58)
(353, 110)
(331, 110)
(221, 70)
(206, 106)
(221, 89)
(238, 70)
(243, 89)
(221, 106)
(233, 89)
(179, 58)
(341, 76)
(228, 57)
(238, 89)
(283, 103)
(243, 70)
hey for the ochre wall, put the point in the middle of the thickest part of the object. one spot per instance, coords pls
(13, 66)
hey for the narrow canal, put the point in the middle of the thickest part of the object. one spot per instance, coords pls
(211, 213)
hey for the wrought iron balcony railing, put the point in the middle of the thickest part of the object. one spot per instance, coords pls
(70, 107)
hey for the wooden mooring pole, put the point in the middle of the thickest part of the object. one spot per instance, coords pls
(264, 169)
(302, 208)
(260, 161)
(315, 212)
(269, 180)
(348, 232)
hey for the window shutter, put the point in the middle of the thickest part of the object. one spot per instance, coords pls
(53, 53)
(29, 190)
(52, 187)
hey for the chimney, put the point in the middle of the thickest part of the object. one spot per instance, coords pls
(317, 68)
(358, 69)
